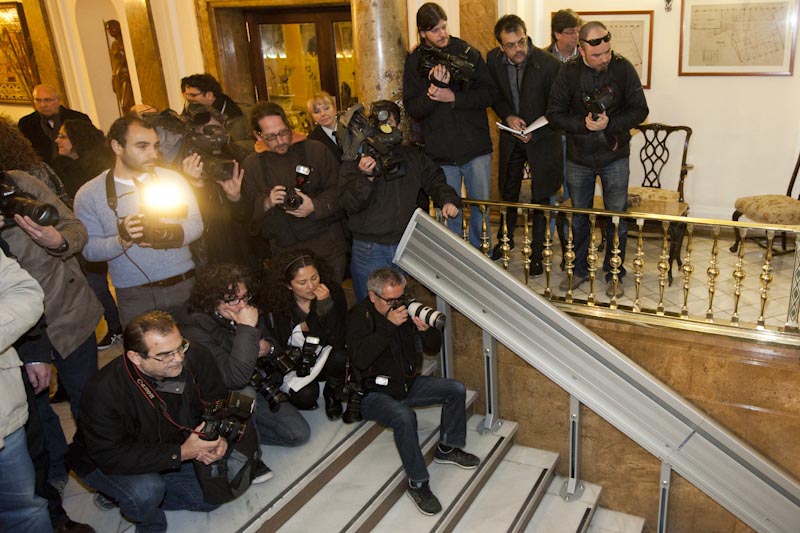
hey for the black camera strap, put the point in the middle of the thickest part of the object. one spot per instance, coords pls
(265, 169)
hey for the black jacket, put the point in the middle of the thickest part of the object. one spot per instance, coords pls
(325, 321)
(567, 111)
(458, 132)
(32, 128)
(379, 210)
(120, 433)
(318, 134)
(544, 151)
(376, 347)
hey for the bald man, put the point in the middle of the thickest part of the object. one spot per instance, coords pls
(41, 127)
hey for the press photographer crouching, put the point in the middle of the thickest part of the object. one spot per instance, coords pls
(385, 348)
(380, 182)
(145, 438)
(221, 317)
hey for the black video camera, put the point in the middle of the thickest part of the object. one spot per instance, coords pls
(293, 200)
(462, 70)
(210, 144)
(599, 102)
(228, 417)
(267, 380)
(16, 202)
(362, 133)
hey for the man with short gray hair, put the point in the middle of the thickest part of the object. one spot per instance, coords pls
(41, 127)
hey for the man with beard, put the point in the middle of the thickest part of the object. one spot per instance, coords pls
(148, 271)
(596, 99)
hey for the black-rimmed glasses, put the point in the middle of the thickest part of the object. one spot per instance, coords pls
(273, 136)
(595, 42)
(246, 298)
(392, 301)
(168, 356)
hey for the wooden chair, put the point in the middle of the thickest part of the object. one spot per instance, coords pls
(770, 209)
(654, 156)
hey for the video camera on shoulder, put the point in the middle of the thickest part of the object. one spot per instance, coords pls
(374, 137)
(228, 417)
(16, 202)
(210, 145)
(462, 70)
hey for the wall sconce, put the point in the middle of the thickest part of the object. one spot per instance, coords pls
(667, 5)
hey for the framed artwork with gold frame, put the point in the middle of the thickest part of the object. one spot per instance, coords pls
(18, 72)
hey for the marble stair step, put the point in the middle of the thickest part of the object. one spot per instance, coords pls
(607, 521)
(455, 488)
(352, 498)
(555, 515)
(513, 492)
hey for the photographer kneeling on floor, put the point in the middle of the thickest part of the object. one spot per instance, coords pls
(157, 431)
(385, 349)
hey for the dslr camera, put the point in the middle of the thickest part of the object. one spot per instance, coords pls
(599, 102)
(293, 200)
(228, 417)
(428, 315)
(16, 202)
(462, 70)
(373, 137)
(301, 360)
(267, 380)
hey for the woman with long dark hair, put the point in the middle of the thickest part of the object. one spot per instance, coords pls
(83, 153)
(303, 301)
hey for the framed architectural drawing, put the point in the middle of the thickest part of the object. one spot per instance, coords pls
(18, 72)
(631, 36)
(744, 38)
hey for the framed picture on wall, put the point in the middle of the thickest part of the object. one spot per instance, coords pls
(18, 72)
(631, 36)
(745, 38)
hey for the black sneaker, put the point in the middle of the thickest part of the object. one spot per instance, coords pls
(458, 457)
(109, 340)
(260, 473)
(497, 253)
(423, 498)
(103, 502)
(536, 270)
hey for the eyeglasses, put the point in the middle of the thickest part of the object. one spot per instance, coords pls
(568, 31)
(595, 42)
(273, 136)
(246, 298)
(392, 301)
(168, 356)
(522, 43)
(192, 95)
(44, 100)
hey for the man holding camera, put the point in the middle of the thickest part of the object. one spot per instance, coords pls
(385, 347)
(205, 89)
(524, 75)
(596, 99)
(289, 192)
(141, 219)
(222, 318)
(379, 202)
(141, 438)
(450, 104)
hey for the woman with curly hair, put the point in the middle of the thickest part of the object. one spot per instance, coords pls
(303, 301)
(83, 153)
(17, 153)
(220, 316)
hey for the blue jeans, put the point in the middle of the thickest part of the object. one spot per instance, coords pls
(581, 180)
(399, 415)
(143, 498)
(20, 509)
(367, 257)
(477, 178)
(284, 427)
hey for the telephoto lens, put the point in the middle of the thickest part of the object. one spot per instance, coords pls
(430, 316)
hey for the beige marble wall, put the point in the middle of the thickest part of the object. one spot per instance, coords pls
(379, 37)
(749, 388)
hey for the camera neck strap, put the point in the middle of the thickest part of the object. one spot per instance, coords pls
(275, 179)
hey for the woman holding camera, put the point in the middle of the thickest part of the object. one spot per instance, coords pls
(305, 302)
(221, 317)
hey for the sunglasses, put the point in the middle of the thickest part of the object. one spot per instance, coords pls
(595, 42)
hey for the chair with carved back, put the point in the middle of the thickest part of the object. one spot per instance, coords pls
(771, 209)
(654, 156)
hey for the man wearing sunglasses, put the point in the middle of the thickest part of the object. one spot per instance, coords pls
(596, 99)
(524, 75)
(289, 192)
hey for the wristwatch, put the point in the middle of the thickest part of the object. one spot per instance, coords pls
(61, 249)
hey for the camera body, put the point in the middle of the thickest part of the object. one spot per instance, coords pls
(375, 138)
(159, 234)
(599, 102)
(462, 70)
(210, 144)
(293, 200)
(228, 417)
(428, 315)
(301, 360)
(267, 380)
(15, 202)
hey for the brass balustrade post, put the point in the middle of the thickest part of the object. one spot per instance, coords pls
(712, 272)
(569, 259)
(765, 278)
(547, 252)
(505, 248)
(687, 270)
(591, 258)
(464, 222)
(526, 245)
(663, 267)
(615, 263)
(738, 279)
(485, 248)
(638, 266)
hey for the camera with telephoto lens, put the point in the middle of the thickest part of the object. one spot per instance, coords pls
(267, 380)
(354, 394)
(16, 202)
(228, 417)
(293, 200)
(301, 360)
(462, 70)
(373, 137)
(599, 102)
(210, 145)
(428, 315)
